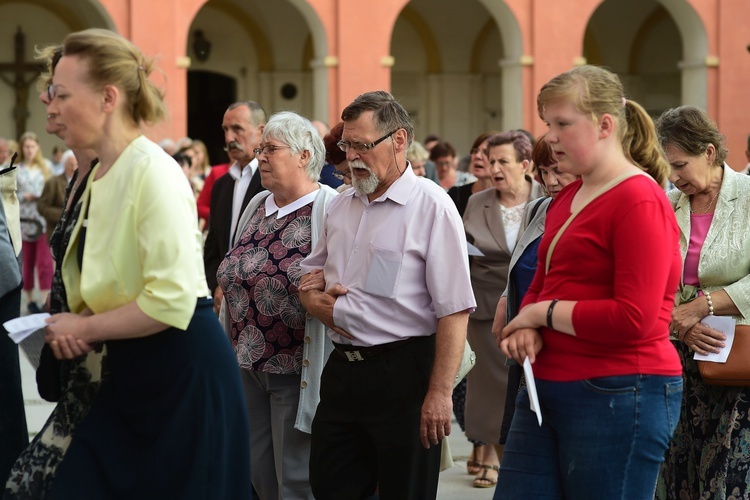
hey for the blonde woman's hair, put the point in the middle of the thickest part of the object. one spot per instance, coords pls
(38, 160)
(417, 153)
(50, 56)
(113, 60)
(597, 91)
(198, 144)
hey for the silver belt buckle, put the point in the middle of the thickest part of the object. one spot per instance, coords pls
(354, 356)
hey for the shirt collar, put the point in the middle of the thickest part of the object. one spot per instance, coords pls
(236, 172)
(272, 208)
(399, 191)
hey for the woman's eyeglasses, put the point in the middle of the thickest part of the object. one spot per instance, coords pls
(268, 150)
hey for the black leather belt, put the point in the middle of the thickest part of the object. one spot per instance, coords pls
(359, 353)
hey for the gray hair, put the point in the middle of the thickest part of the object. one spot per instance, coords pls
(388, 113)
(257, 113)
(300, 135)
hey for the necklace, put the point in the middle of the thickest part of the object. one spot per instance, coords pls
(705, 210)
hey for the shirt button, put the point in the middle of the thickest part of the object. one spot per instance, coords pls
(307, 339)
(303, 384)
(305, 362)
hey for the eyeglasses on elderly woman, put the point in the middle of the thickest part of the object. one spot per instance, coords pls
(268, 150)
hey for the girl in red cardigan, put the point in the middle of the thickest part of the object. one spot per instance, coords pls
(595, 323)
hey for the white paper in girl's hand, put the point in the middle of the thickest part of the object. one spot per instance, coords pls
(724, 324)
(531, 387)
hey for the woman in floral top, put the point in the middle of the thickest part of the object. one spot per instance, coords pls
(281, 351)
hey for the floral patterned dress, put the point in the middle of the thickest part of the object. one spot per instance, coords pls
(709, 455)
(259, 277)
(79, 382)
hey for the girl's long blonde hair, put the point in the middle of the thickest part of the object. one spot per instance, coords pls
(38, 160)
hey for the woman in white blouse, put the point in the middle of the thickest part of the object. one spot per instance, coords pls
(492, 222)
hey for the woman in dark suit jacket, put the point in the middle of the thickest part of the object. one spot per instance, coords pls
(492, 221)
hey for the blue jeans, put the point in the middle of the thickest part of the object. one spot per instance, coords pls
(600, 438)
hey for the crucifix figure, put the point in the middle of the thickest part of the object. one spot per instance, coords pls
(20, 84)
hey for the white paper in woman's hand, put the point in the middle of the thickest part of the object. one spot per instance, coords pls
(725, 325)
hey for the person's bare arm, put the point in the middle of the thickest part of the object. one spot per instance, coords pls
(437, 408)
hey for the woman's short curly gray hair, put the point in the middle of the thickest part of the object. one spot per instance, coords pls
(300, 135)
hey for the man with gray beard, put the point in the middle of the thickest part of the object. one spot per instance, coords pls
(243, 125)
(389, 278)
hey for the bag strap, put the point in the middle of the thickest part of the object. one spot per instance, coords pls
(535, 208)
(614, 182)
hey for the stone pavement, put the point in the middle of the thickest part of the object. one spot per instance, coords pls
(455, 483)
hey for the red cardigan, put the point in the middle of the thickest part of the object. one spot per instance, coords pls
(204, 199)
(620, 259)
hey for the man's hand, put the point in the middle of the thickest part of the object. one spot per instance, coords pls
(318, 303)
(436, 417)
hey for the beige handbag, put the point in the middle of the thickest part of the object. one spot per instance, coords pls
(467, 363)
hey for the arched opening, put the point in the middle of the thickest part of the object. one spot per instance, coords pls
(447, 69)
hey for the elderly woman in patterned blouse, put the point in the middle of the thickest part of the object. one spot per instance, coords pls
(280, 351)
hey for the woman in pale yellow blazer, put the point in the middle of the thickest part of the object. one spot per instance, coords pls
(169, 419)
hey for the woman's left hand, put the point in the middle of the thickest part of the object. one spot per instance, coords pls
(685, 316)
(63, 335)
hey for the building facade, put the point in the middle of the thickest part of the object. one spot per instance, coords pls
(460, 67)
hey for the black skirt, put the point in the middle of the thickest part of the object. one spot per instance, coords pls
(169, 421)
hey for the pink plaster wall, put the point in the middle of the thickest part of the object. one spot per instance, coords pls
(359, 36)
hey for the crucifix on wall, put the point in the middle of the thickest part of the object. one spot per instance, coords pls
(20, 68)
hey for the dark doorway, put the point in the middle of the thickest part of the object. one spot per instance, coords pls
(209, 96)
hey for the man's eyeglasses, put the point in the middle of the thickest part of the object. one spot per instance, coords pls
(268, 150)
(362, 147)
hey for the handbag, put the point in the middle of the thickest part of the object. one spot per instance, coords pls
(736, 370)
(468, 361)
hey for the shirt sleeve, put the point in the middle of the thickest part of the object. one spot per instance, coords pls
(646, 258)
(447, 265)
(166, 232)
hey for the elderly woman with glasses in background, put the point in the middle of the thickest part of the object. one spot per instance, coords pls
(281, 351)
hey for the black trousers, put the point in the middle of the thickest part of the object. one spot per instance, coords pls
(14, 436)
(366, 428)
